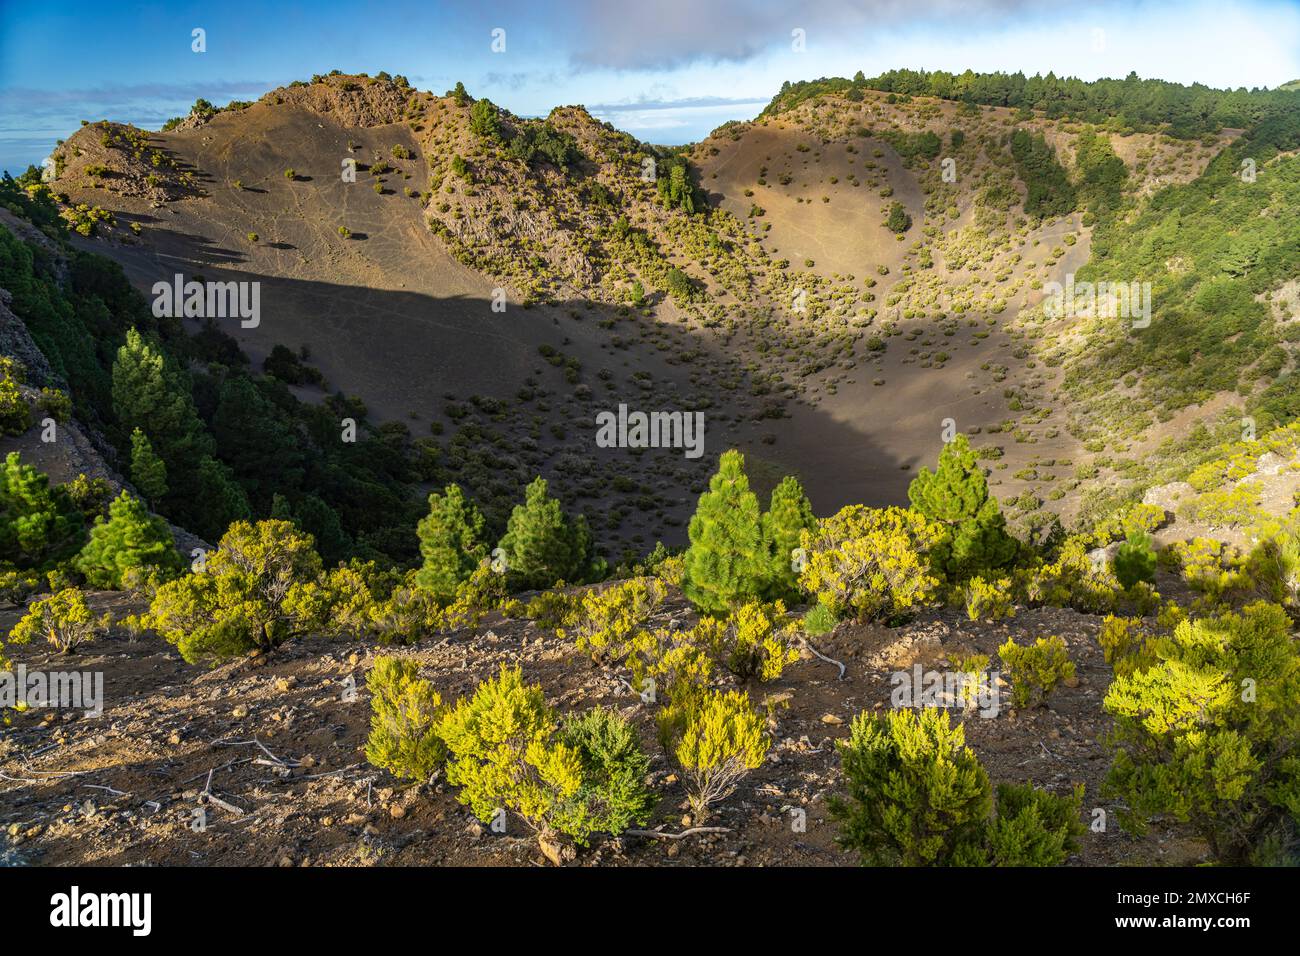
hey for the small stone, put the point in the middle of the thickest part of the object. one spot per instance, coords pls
(831, 719)
(397, 811)
(174, 738)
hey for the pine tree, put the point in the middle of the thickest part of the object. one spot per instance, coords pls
(147, 470)
(1135, 560)
(153, 395)
(788, 514)
(150, 395)
(727, 561)
(130, 538)
(451, 542)
(956, 495)
(220, 502)
(541, 544)
(37, 523)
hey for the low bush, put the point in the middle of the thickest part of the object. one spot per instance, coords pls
(607, 620)
(509, 752)
(749, 642)
(873, 563)
(405, 711)
(721, 740)
(63, 619)
(1035, 670)
(1206, 734)
(988, 600)
(918, 796)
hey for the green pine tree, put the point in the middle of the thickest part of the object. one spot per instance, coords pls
(788, 513)
(221, 500)
(956, 495)
(451, 541)
(281, 508)
(130, 538)
(1135, 560)
(727, 561)
(38, 524)
(151, 395)
(147, 470)
(541, 544)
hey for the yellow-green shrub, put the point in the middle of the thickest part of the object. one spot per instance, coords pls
(15, 413)
(918, 796)
(1125, 644)
(1034, 670)
(1209, 566)
(988, 600)
(1207, 735)
(509, 752)
(1072, 580)
(551, 609)
(63, 619)
(405, 711)
(749, 642)
(871, 562)
(608, 619)
(722, 739)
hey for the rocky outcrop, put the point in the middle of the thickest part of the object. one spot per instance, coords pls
(16, 343)
(349, 100)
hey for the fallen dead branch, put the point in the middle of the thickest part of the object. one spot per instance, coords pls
(257, 743)
(822, 657)
(658, 834)
(207, 796)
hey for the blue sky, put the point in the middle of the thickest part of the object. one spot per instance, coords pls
(668, 71)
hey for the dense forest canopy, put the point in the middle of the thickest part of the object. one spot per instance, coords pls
(1130, 104)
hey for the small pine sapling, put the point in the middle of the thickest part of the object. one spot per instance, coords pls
(727, 562)
(1034, 827)
(613, 794)
(1135, 561)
